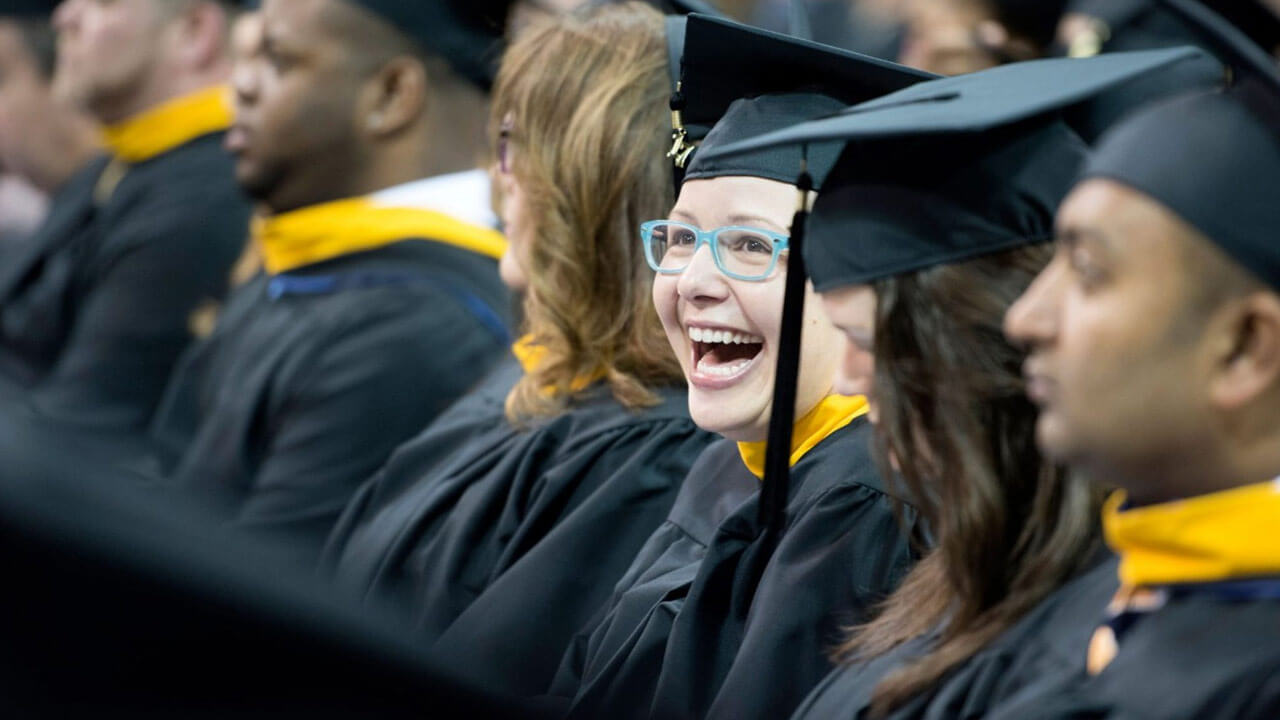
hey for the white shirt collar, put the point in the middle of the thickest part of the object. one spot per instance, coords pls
(464, 195)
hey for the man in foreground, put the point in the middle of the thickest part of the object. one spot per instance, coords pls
(1155, 336)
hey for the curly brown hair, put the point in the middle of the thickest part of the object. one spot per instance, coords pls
(588, 96)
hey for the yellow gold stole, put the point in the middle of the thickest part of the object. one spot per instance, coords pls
(828, 416)
(319, 232)
(530, 355)
(1224, 535)
(162, 128)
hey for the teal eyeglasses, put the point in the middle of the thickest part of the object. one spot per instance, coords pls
(743, 253)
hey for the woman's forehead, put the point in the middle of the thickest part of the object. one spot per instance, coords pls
(736, 200)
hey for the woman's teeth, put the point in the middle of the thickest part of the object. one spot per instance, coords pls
(723, 353)
(708, 366)
(724, 337)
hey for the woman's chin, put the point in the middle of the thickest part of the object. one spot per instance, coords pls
(726, 418)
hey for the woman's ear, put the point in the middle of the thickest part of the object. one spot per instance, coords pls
(1249, 365)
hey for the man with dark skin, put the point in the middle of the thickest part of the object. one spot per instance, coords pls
(1135, 286)
(1155, 360)
(376, 308)
(95, 310)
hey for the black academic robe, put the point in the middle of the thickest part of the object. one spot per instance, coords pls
(1204, 655)
(653, 589)
(1046, 643)
(749, 634)
(312, 377)
(499, 542)
(97, 307)
(123, 603)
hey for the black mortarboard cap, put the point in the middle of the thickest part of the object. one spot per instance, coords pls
(1212, 158)
(1226, 40)
(1146, 24)
(964, 166)
(723, 61)
(749, 117)
(466, 33)
(896, 207)
(28, 8)
(1124, 25)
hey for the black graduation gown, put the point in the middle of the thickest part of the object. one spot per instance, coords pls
(70, 207)
(657, 581)
(311, 378)
(123, 603)
(97, 308)
(752, 634)
(1204, 655)
(1050, 640)
(500, 542)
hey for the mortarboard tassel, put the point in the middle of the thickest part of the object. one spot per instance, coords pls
(777, 462)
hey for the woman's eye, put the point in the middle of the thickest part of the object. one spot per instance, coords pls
(1085, 268)
(682, 237)
(751, 244)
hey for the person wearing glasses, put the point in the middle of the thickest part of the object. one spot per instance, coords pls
(918, 270)
(501, 527)
(717, 617)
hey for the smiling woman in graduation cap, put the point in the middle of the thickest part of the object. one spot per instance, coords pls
(725, 612)
(500, 528)
(932, 222)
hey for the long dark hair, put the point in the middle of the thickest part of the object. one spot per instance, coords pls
(1008, 527)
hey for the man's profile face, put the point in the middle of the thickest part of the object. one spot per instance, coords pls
(295, 93)
(25, 102)
(107, 49)
(1116, 365)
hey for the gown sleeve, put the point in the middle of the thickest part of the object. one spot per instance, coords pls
(590, 514)
(843, 555)
(662, 570)
(157, 265)
(374, 380)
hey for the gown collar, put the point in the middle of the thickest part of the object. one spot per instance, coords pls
(164, 127)
(1209, 538)
(466, 195)
(530, 355)
(327, 230)
(828, 416)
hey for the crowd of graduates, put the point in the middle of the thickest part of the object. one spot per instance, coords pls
(910, 359)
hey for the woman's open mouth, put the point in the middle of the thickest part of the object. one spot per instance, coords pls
(722, 356)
